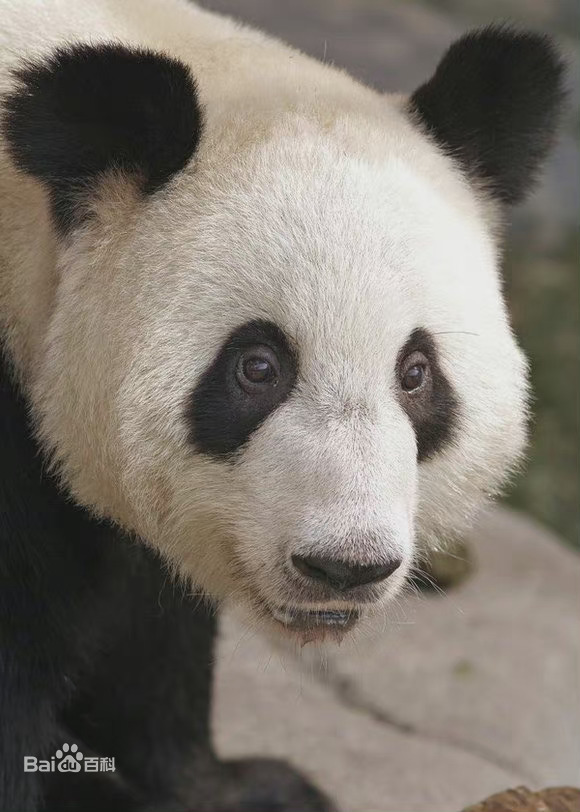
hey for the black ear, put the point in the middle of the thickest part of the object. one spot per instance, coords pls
(494, 105)
(87, 109)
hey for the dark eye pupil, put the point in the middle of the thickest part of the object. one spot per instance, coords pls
(257, 370)
(413, 378)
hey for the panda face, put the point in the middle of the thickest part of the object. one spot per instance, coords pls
(317, 389)
(288, 366)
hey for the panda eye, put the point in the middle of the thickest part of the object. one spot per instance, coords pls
(257, 369)
(414, 372)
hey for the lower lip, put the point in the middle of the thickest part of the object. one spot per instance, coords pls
(316, 625)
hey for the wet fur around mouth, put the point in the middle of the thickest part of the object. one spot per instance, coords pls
(312, 618)
(315, 625)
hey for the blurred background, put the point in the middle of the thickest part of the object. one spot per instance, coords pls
(395, 45)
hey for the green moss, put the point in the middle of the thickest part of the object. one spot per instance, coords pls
(463, 669)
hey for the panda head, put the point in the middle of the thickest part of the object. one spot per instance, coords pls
(276, 346)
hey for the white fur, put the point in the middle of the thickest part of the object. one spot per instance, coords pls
(312, 202)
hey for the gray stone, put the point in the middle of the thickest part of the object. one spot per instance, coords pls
(454, 699)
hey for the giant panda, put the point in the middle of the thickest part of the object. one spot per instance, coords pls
(255, 349)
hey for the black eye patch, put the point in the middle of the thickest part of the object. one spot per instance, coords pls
(433, 408)
(221, 413)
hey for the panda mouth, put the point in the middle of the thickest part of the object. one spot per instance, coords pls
(315, 623)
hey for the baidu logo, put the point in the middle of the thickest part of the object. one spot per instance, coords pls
(69, 762)
(68, 759)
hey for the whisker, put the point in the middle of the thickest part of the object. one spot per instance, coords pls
(421, 575)
(456, 333)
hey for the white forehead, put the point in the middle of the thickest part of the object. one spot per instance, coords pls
(342, 250)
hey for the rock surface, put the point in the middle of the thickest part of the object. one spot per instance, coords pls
(456, 698)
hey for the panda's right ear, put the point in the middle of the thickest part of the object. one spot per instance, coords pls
(89, 109)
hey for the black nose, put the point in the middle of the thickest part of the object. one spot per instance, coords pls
(343, 575)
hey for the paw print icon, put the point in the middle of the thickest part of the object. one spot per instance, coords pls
(69, 759)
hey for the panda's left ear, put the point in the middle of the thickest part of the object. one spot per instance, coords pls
(493, 104)
(88, 109)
